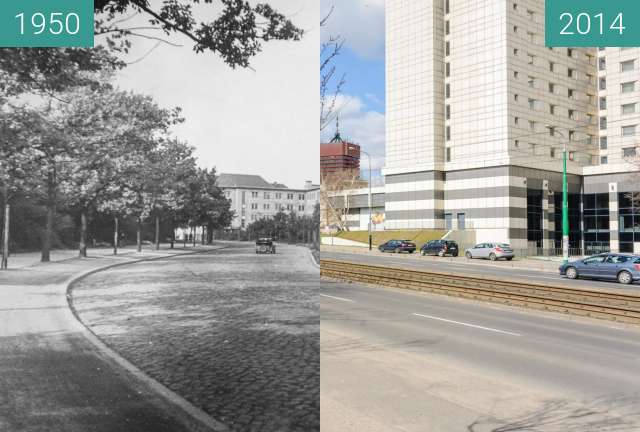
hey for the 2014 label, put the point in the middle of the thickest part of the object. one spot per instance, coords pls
(583, 23)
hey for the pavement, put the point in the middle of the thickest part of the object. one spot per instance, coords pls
(235, 333)
(52, 377)
(545, 272)
(395, 360)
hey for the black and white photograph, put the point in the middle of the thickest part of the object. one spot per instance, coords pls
(160, 222)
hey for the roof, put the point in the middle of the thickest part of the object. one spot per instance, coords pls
(246, 181)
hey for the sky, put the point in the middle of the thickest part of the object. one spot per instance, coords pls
(362, 102)
(262, 121)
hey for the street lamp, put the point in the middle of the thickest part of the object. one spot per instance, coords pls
(565, 199)
(369, 203)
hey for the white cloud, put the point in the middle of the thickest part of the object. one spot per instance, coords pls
(360, 22)
(360, 126)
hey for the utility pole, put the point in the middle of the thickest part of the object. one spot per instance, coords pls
(565, 198)
(5, 234)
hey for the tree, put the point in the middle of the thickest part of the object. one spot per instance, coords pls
(330, 83)
(334, 197)
(236, 35)
(103, 127)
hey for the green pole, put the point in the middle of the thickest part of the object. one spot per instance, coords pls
(565, 210)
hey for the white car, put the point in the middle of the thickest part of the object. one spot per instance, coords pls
(492, 251)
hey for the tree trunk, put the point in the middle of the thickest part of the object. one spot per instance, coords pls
(115, 235)
(5, 236)
(203, 239)
(51, 208)
(139, 234)
(193, 237)
(184, 239)
(157, 232)
(173, 234)
(83, 234)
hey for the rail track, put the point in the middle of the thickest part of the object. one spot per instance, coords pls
(607, 305)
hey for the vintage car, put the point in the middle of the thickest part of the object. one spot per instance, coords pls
(265, 245)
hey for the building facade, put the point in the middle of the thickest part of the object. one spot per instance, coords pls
(253, 198)
(339, 156)
(478, 113)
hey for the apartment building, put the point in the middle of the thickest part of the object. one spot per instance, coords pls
(253, 198)
(478, 113)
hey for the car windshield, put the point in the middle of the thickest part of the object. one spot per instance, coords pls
(504, 245)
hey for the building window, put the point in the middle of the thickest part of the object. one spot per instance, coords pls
(447, 91)
(301, 208)
(301, 197)
(278, 195)
(569, 52)
(447, 111)
(265, 206)
(446, 6)
(571, 114)
(447, 30)
(530, 59)
(448, 154)
(552, 109)
(515, 74)
(627, 66)
(570, 72)
(254, 194)
(629, 108)
(628, 87)
(267, 195)
(551, 66)
(603, 83)
(629, 152)
(447, 48)
(604, 160)
(603, 143)
(552, 88)
(254, 206)
(603, 123)
(448, 129)
(628, 130)
(515, 51)
(289, 196)
(603, 102)
(552, 152)
(516, 120)
(532, 125)
(570, 93)
(516, 143)
(531, 81)
(447, 69)
(532, 104)
(602, 63)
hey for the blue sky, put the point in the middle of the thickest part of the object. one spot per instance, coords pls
(361, 105)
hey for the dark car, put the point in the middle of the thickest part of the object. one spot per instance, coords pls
(440, 248)
(265, 245)
(625, 268)
(398, 246)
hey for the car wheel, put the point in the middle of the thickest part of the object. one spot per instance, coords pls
(509, 258)
(455, 254)
(624, 277)
(493, 257)
(572, 273)
(423, 253)
(397, 250)
(468, 255)
(441, 253)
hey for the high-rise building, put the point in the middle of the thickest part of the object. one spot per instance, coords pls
(478, 114)
(338, 156)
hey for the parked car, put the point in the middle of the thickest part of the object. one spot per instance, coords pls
(440, 248)
(625, 268)
(398, 246)
(492, 251)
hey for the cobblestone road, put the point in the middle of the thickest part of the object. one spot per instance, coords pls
(235, 333)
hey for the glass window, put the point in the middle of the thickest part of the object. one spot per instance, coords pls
(629, 130)
(628, 87)
(603, 102)
(602, 63)
(603, 123)
(603, 143)
(604, 160)
(629, 108)
(595, 260)
(629, 152)
(603, 83)
(627, 66)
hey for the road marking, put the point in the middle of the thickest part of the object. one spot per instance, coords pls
(536, 276)
(467, 324)
(338, 298)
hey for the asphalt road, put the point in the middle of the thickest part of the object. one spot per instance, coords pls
(395, 360)
(474, 267)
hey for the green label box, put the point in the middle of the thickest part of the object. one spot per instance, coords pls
(46, 23)
(592, 23)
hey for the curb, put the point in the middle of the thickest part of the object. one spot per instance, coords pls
(190, 411)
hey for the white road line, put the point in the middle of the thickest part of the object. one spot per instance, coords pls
(467, 324)
(338, 298)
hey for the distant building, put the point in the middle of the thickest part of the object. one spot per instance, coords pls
(339, 155)
(253, 198)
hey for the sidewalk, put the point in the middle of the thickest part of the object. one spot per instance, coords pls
(52, 378)
(550, 266)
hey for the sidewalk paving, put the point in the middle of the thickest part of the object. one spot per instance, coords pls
(52, 378)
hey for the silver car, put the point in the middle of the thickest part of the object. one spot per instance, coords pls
(492, 251)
